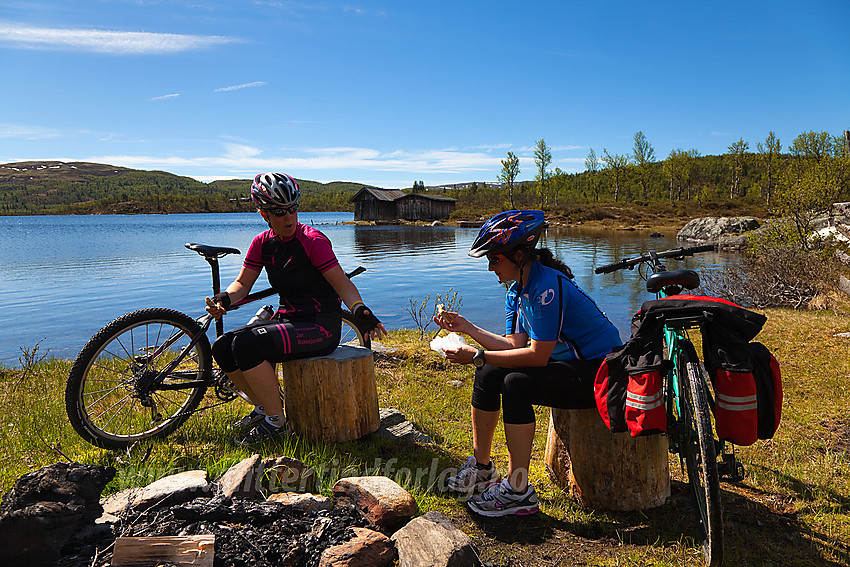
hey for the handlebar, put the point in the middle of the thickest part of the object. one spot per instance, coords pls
(651, 256)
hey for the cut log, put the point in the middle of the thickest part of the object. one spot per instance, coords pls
(334, 397)
(177, 550)
(604, 470)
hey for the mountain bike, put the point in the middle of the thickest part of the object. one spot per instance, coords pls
(142, 375)
(689, 400)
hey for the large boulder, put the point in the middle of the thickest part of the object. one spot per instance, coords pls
(716, 230)
(433, 541)
(46, 508)
(381, 500)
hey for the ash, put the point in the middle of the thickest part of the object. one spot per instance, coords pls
(247, 533)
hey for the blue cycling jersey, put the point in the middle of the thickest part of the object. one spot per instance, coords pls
(552, 307)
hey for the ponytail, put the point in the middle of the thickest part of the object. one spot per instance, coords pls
(548, 259)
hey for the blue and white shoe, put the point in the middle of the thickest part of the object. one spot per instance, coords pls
(470, 477)
(501, 500)
(248, 422)
(260, 433)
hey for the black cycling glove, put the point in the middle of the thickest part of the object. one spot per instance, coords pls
(222, 298)
(365, 319)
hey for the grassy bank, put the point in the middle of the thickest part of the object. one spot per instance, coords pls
(792, 509)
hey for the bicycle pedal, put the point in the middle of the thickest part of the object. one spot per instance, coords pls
(730, 470)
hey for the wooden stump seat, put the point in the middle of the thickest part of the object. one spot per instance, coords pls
(333, 397)
(604, 470)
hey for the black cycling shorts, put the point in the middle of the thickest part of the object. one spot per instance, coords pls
(277, 340)
(559, 384)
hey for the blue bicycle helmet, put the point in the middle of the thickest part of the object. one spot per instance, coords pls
(508, 231)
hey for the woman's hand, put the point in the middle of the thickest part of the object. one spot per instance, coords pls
(461, 355)
(377, 333)
(215, 308)
(452, 321)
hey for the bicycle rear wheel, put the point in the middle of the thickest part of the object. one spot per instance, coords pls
(700, 454)
(351, 334)
(112, 398)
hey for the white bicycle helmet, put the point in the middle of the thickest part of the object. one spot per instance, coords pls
(273, 189)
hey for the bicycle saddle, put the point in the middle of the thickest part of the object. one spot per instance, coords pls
(687, 279)
(208, 251)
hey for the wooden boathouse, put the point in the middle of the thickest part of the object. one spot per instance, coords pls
(372, 204)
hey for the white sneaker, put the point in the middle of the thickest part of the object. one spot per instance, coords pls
(471, 478)
(501, 500)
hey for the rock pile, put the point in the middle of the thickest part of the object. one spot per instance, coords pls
(55, 516)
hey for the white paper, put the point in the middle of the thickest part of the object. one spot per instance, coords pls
(452, 340)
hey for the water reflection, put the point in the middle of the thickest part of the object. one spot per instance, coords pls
(407, 240)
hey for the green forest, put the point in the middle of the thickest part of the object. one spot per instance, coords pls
(809, 173)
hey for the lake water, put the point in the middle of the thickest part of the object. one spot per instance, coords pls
(64, 277)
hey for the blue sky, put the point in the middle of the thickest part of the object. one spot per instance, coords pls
(388, 93)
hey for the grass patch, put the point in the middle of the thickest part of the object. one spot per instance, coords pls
(792, 509)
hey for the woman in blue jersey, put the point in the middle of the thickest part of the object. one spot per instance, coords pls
(555, 340)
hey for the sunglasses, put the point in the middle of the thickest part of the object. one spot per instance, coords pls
(494, 259)
(292, 209)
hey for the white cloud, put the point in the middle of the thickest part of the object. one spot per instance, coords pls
(105, 41)
(25, 132)
(241, 160)
(242, 86)
(163, 97)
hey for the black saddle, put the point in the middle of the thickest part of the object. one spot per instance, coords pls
(687, 279)
(208, 251)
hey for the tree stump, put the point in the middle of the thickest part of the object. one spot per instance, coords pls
(334, 397)
(604, 470)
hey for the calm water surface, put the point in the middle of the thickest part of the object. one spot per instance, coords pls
(64, 277)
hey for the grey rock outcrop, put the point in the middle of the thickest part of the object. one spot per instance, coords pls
(718, 230)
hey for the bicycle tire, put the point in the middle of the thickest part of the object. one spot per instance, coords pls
(351, 333)
(105, 395)
(700, 454)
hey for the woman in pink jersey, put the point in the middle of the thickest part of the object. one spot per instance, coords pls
(303, 269)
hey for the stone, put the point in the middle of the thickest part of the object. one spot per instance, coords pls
(395, 426)
(46, 508)
(118, 503)
(433, 541)
(173, 489)
(455, 383)
(368, 548)
(710, 229)
(285, 474)
(303, 502)
(380, 499)
(240, 480)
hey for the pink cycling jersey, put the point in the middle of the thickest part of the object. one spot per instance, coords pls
(294, 267)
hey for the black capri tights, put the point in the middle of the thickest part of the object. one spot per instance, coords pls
(559, 384)
(277, 340)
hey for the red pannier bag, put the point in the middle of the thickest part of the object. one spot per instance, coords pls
(735, 406)
(748, 402)
(768, 380)
(629, 391)
(645, 411)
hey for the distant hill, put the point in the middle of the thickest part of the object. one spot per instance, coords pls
(55, 187)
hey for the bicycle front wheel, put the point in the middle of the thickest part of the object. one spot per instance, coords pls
(115, 394)
(351, 333)
(700, 454)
